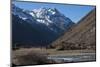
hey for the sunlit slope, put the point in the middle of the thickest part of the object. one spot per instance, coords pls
(81, 36)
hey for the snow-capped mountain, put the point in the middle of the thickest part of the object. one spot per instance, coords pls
(47, 21)
(51, 18)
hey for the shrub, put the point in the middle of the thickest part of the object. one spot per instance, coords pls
(31, 58)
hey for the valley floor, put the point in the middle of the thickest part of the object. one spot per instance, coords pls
(58, 56)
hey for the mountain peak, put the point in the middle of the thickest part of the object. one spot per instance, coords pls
(48, 23)
(50, 17)
(46, 10)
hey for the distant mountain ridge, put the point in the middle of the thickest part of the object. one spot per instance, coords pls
(39, 26)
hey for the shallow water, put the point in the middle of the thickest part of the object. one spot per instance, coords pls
(73, 58)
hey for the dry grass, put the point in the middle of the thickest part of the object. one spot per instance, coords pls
(37, 56)
(21, 57)
(51, 51)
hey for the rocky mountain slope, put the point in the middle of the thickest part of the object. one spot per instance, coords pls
(80, 36)
(38, 26)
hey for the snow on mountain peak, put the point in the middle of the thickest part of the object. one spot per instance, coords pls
(50, 17)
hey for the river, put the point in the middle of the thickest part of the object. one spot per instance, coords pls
(73, 58)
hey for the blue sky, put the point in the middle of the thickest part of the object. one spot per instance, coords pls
(74, 12)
